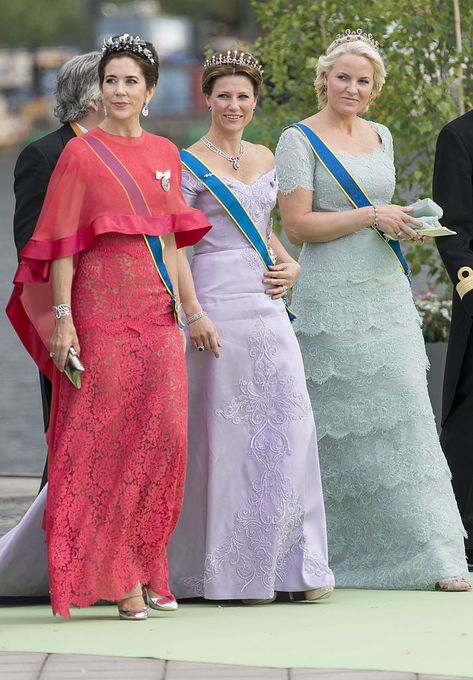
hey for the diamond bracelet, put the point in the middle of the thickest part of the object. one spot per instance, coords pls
(61, 310)
(375, 223)
(196, 317)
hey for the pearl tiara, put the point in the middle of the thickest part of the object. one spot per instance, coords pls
(127, 43)
(353, 36)
(234, 59)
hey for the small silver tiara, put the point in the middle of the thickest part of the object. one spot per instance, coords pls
(127, 43)
(353, 36)
(235, 59)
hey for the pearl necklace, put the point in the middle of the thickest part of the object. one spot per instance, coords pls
(234, 160)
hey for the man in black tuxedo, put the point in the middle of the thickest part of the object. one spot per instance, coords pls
(453, 191)
(78, 103)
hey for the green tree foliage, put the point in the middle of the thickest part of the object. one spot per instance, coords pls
(34, 23)
(417, 40)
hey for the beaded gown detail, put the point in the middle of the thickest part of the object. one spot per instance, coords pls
(253, 519)
(392, 519)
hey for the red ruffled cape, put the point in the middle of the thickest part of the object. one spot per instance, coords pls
(83, 201)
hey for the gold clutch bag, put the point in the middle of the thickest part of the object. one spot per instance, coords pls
(74, 368)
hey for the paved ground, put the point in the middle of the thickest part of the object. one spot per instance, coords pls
(14, 666)
(15, 495)
(22, 444)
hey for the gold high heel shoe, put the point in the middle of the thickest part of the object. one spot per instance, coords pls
(313, 595)
(318, 594)
(160, 603)
(140, 614)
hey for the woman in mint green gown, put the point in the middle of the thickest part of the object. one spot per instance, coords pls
(392, 519)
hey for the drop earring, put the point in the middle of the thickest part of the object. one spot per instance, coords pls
(209, 108)
(145, 110)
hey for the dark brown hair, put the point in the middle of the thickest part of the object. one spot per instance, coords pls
(150, 71)
(212, 71)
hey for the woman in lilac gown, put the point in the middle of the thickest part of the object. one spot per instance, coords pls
(253, 520)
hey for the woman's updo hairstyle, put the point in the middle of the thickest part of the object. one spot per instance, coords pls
(231, 63)
(134, 47)
(350, 42)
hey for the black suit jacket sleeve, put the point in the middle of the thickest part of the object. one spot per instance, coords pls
(453, 191)
(32, 174)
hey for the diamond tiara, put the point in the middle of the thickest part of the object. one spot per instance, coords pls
(353, 36)
(127, 43)
(234, 59)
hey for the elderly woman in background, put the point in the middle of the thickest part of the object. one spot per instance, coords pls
(392, 519)
(79, 108)
(23, 565)
(117, 445)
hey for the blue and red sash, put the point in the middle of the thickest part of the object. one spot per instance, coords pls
(233, 206)
(347, 184)
(139, 206)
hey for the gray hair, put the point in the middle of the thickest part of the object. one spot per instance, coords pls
(77, 87)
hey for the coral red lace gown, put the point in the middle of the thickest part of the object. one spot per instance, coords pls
(117, 446)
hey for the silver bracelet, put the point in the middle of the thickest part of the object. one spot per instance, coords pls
(375, 224)
(196, 317)
(61, 310)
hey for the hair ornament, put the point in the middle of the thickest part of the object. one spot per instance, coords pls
(234, 59)
(353, 36)
(127, 43)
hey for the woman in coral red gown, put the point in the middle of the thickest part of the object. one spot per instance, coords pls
(117, 445)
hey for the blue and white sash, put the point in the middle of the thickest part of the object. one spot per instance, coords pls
(232, 205)
(347, 184)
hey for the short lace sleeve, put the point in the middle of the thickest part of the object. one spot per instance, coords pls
(295, 162)
(386, 138)
(191, 187)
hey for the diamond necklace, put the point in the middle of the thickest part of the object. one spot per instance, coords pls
(234, 160)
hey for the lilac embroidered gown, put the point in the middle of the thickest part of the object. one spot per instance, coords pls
(253, 520)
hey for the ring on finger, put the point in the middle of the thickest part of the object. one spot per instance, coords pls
(52, 355)
(200, 348)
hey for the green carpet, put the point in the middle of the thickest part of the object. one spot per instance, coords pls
(422, 632)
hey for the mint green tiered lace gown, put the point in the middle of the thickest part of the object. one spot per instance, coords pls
(392, 519)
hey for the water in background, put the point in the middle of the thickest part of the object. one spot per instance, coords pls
(22, 444)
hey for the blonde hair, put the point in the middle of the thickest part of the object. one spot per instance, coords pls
(362, 49)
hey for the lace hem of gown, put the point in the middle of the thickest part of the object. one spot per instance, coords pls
(414, 542)
(380, 403)
(390, 462)
(348, 357)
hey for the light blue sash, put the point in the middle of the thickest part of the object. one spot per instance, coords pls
(231, 204)
(156, 249)
(348, 185)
